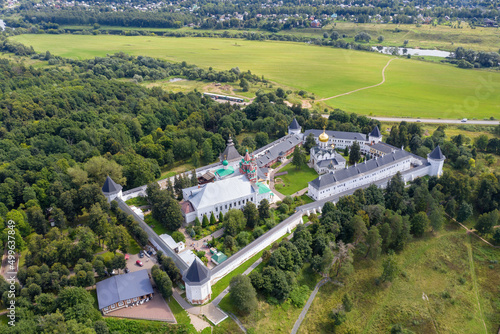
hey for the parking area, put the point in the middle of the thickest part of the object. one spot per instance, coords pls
(147, 262)
(154, 309)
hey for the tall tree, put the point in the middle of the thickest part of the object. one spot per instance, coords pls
(486, 222)
(373, 243)
(390, 267)
(251, 214)
(464, 211)
(242, 294)
(419, 224)
(299, 157)
(354, 153)
(436, 217)
(310, 143)
(264, 212)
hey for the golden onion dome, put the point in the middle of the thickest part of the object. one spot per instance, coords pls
(323, 137)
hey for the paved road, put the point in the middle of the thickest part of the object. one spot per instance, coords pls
(433, 120)
(308, 304)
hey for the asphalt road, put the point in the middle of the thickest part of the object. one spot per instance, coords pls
(430, 120)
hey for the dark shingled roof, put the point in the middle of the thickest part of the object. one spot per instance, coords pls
(294, 125)
(123, 287)
(354, 171)
(436, 154)
(337, 134)
(197, 274)
(383, 147)
(230, 153)
(111, 186)
(376, 132)
(278, 150)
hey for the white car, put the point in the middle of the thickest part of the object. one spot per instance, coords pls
(464, 120)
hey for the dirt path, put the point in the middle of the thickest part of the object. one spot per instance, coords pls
(474, 281)
(308, 305)
(359, 89)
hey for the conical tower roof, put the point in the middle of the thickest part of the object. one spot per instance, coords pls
(294, 125)
(197, 274)
(436, 154)
(230, 153)
(375, 132)
(110, 186)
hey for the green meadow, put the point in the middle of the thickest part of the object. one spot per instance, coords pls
(412, 88)
(448, 283)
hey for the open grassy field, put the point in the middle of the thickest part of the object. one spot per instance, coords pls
(412, 88)
(295, 180)
(458, 274)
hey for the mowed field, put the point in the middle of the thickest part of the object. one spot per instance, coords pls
(412, 88)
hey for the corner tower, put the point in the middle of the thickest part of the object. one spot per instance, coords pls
(375, 136)
(197, 280)
(294, 127)
(436, 159)
(111, 189)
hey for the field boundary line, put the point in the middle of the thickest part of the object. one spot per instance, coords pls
(359, 89)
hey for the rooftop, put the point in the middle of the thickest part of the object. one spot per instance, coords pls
(197, 274)
(354, 171)
(111, 186)
(230, 153)
(220, 191)
(437, 154)
(337, 134)
(383, 147)
(123, 287)
(294, 125)
(263, 188)
(375, 132)
(278, 150)
(225, 172)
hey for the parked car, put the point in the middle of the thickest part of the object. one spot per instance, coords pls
(141, 254)
(139, 263)
(126, 270)
(149, 252)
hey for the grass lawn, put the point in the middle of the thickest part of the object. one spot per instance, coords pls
(167, 175)
(295, 180)
(181, 315)
(158, 228)
(133, 247)
(306, 199)
(137, 201)
(412, 88)
(455, 271)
